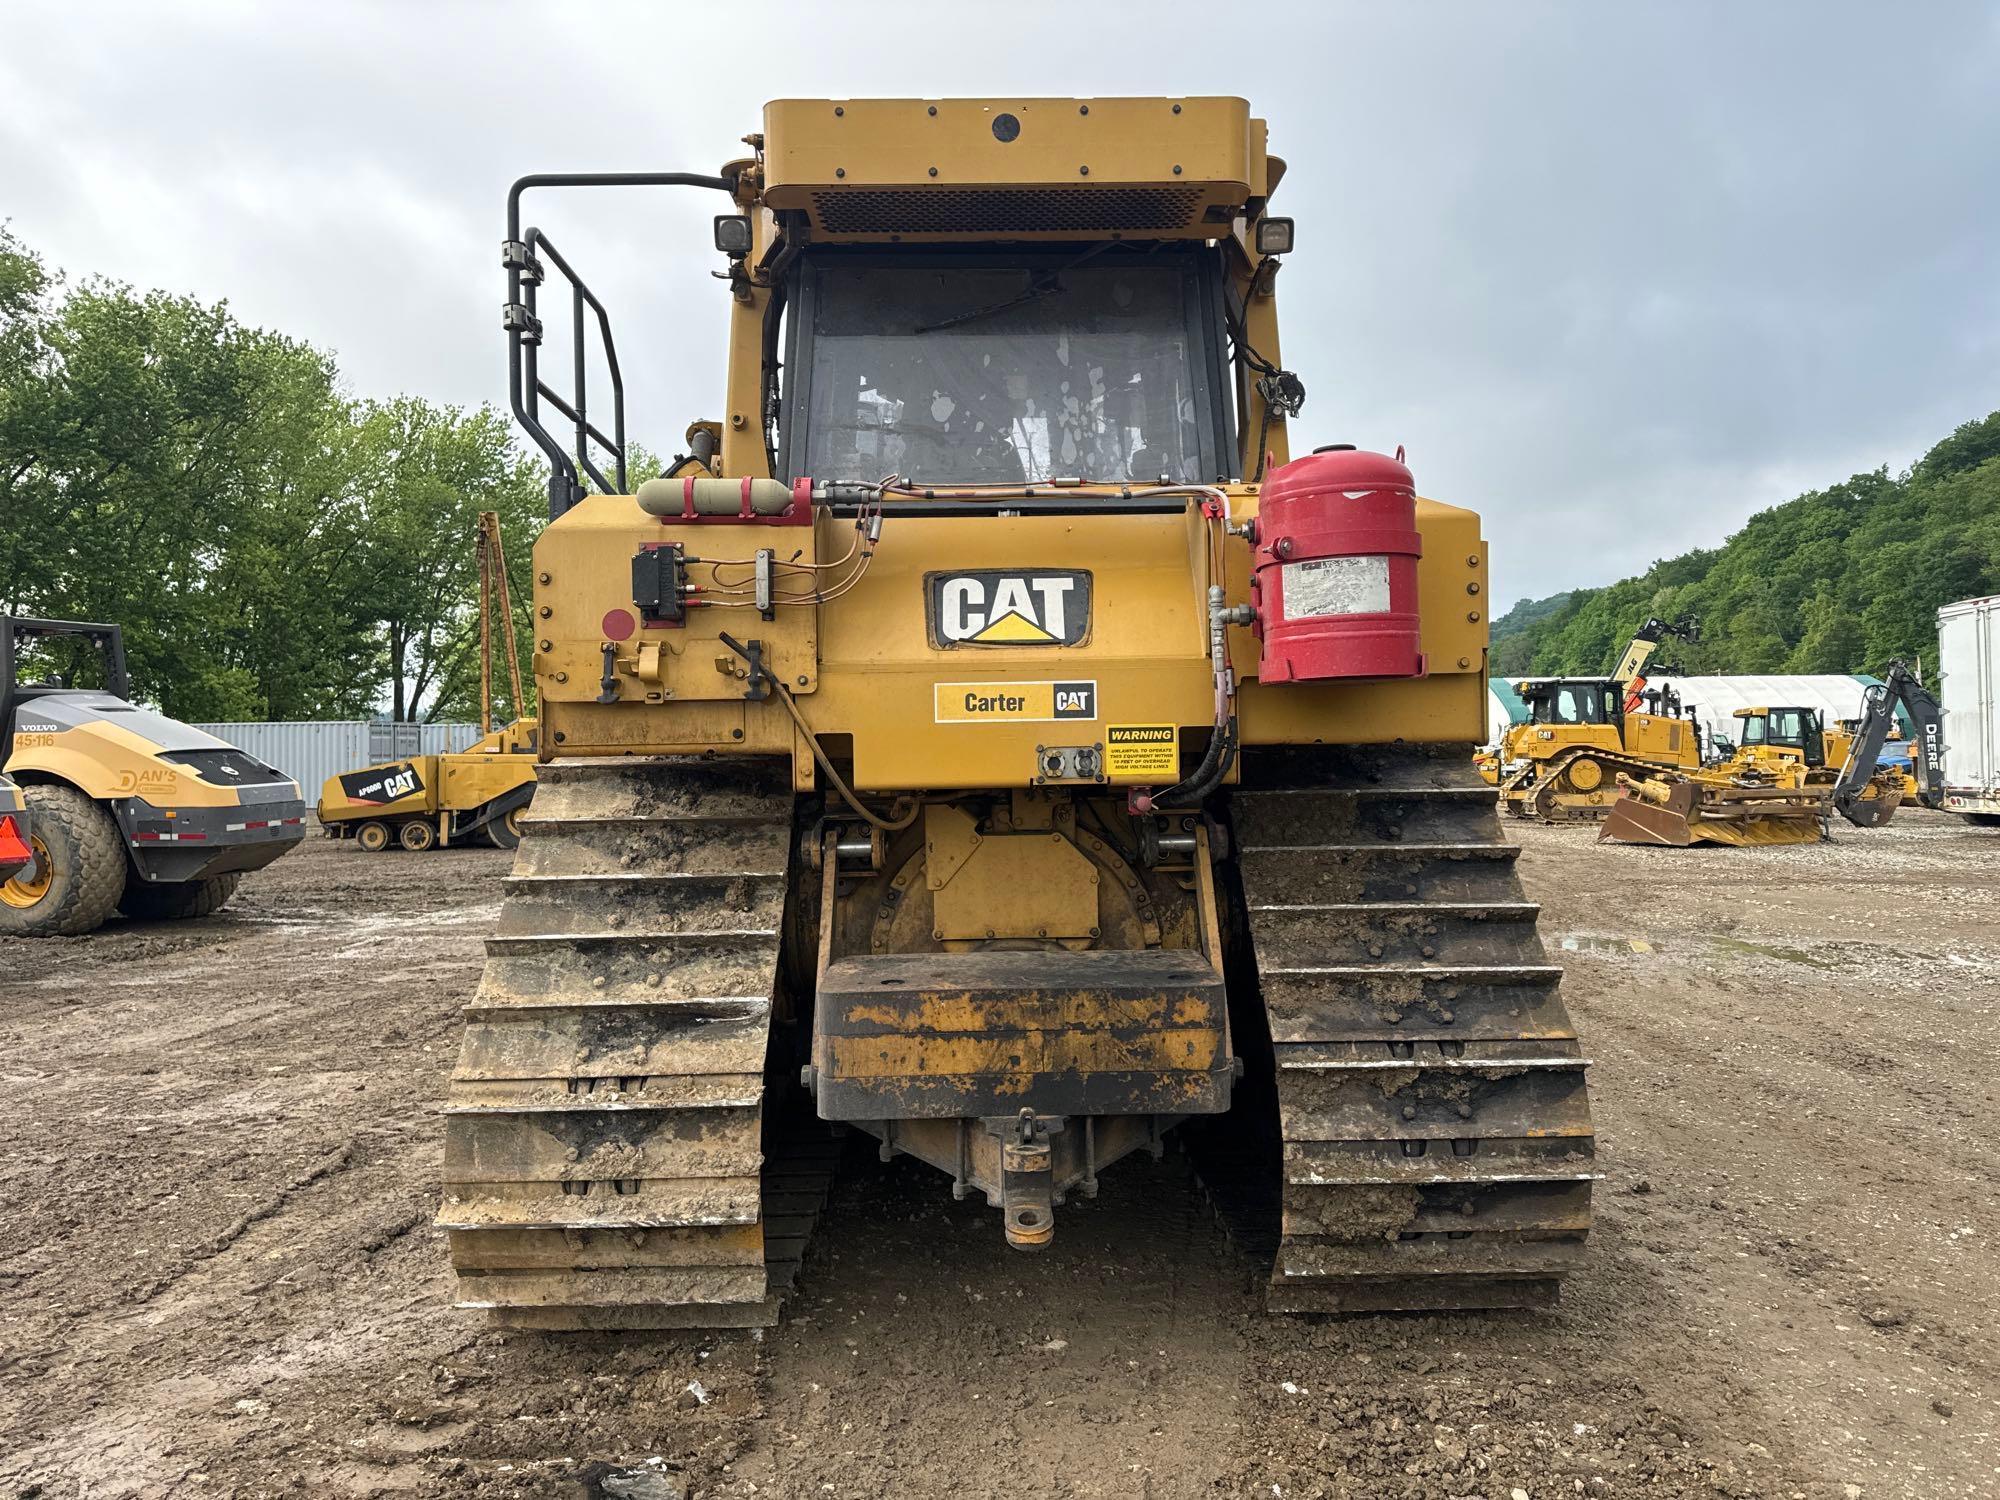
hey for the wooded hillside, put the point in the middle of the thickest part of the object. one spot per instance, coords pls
(1838, 580)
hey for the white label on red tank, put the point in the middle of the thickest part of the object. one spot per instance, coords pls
(1324, 586)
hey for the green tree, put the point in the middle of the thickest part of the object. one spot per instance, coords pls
(271, 546)
(431, 471)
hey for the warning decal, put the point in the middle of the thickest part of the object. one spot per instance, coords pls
(1014, 702)
(1142, 752)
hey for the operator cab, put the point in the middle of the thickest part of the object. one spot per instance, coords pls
(1572, 700)
(1784, 729)
(975, 367)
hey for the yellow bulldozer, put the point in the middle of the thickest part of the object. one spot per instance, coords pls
(127, 810)
(1792, 747)
(1563, 763)
(991, 738)
(1788, 775)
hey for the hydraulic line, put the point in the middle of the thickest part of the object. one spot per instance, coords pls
(891, 824)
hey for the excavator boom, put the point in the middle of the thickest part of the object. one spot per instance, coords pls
(1900, 688)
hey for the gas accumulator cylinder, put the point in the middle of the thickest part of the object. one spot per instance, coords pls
(1334, 584)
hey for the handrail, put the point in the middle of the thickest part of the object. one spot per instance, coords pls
(520, 317)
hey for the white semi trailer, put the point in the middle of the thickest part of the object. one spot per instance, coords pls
(1969, 685)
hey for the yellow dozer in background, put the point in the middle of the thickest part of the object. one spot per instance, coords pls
(1791, 747)
(991, 738)
(1781, 784)
(1773, 788)
(1562, 764)
(129, 810)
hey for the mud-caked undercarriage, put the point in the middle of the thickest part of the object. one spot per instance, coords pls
(1334, 966)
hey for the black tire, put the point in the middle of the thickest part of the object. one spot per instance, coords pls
(176, 900)
(373, 837)
(504, 832)
(86, 867)
(417, 835)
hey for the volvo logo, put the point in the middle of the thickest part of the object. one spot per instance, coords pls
(1009, 607)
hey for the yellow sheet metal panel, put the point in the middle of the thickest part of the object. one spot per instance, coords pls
(1141, 656)
(972, 169)
(104, 759)
(583, 599)
(1663, 737)
(1018, 885)
(1439, 710)
(966, 707)
(468, 781)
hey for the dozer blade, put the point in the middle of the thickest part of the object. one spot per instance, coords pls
(608, 1160)
(1755, 833)
(1633, 820)
(1684, 811)
(1437, 1149)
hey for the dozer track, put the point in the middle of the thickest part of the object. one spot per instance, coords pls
(1430, 1091)
(609, 1159)
(1539, 788)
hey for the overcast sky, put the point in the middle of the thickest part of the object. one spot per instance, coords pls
(1617, 275)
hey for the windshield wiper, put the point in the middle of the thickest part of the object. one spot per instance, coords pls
(1039, 285)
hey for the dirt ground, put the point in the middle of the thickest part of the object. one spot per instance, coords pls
(217, 1275)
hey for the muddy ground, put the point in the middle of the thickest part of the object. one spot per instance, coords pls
(217, 1277)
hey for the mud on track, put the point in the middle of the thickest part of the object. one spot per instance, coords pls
(217, 1149)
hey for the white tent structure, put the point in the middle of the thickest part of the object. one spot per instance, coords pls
(1715, 700)
(1501, 711)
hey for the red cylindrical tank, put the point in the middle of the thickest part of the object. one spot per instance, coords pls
(1334, 582)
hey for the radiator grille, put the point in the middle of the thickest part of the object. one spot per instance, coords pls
(1005, 210)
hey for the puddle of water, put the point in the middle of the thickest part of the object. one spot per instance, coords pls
(1585, 943)
(1741, 948)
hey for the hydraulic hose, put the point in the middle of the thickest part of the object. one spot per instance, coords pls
(891, 824)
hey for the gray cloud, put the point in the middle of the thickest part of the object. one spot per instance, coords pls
(1617, 276)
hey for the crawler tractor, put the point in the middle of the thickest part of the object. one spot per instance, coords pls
(1793, 747)
(991, 738)
(1781, 784)
(1582, 733)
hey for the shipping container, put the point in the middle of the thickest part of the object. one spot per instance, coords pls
(1969, 689)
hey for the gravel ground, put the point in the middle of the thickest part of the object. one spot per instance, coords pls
(217, 1275)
